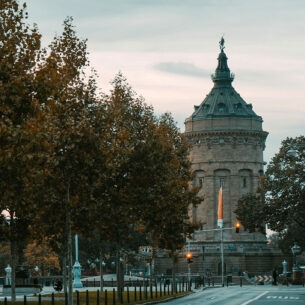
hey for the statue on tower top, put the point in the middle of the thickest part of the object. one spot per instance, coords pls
(222, 44)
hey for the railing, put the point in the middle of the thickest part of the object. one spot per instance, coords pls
(129, 294)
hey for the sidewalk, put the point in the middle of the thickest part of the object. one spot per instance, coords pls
(45, 290)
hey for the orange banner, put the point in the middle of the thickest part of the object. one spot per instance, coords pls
(220, 208)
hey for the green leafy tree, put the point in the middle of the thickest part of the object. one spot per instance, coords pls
(250, 212)
(284, 185)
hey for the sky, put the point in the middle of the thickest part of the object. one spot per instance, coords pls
(168, 49)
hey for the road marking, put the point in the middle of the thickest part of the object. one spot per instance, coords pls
(282, 297)
(256, 298)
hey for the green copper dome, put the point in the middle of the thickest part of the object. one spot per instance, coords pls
(223, 100)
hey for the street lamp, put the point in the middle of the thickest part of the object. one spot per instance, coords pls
(296, 250)
(295, 270)
(102, 265)
(189, 256)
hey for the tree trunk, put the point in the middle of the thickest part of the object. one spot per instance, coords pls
(14, 254)
(120, 276)
(174, 260)
(64, 271)
(101, 271)
(13, 262)
(69, 247)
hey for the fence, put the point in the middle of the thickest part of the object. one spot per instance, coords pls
(134, 291)
(129, 295)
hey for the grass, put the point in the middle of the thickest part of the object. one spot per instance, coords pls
(105, 298)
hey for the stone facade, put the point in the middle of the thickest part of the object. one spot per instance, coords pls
(256, 258)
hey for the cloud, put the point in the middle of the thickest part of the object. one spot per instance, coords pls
(182, 68)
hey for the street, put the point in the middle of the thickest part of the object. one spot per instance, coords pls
(253, 295)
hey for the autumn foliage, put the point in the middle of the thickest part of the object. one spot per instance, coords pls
(74, 160)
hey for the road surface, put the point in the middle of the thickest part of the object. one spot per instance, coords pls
(246, 295)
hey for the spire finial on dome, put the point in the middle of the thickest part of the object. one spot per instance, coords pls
(222, 43)
(222, 74)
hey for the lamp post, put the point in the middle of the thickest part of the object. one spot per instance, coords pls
(77, 267)
(102, 264)
(189, 256)
(296, 250)
(221, 227)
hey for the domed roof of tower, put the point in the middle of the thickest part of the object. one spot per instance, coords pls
(223, 100)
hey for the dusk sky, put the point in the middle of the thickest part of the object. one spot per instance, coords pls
(167, 50)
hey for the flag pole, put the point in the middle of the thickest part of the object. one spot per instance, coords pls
(220, 225)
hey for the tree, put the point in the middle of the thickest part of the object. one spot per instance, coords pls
(121, 123)
(19, 44)
(284, 185)
(41, 255)
(63, 93)
(165, 214)
(146, 171)
(250, 212)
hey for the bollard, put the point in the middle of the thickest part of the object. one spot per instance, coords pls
(287, 281)
(121, 296)
(145, 291)
(106, 297)
(128, 300)
(113, 296)
(160, 289)
(52, 299)
(24, 299)
(241, 281)
(97, 297)
(87, 297)
(77, 297)
(39, 299)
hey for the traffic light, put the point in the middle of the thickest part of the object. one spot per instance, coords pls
(237, 226)
(189, 256)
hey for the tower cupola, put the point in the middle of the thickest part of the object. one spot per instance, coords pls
(222, 75)
(223, 107)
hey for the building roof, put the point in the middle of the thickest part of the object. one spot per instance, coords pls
(223, 100)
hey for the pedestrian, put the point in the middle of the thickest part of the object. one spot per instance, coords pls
(57, 285)
(274, 275)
